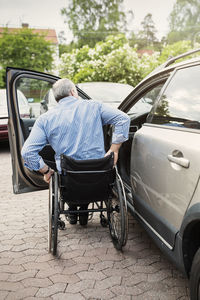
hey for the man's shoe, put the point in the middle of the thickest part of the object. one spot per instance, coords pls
(83, 217)
(72, 218)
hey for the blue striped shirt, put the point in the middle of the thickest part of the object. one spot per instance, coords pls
(74, 128)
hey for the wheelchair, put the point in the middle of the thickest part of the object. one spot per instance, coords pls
(93, 183)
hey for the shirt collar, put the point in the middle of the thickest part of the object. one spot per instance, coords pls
(67, 99)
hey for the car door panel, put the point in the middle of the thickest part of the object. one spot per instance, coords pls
(33, 87)
(167, 196)
(19, 128)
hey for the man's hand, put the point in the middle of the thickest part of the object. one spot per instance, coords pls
(47, 176)
(47, 173)
(115, 149)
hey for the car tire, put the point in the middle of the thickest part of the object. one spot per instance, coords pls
(195, 277)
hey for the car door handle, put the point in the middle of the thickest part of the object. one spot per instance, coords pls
(184, 162)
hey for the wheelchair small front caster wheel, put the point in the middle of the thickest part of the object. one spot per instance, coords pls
(61, 225)
(104, 221)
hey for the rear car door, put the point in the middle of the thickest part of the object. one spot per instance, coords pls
(27, 97)
(165, 155)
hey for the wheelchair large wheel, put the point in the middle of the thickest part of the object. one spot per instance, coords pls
(117, 215)
(53, 214)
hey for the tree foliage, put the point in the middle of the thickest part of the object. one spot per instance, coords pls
(148, 32)
(91, 21)
(185, 21)
(25, 49)
(146, 37)
(174, 50)
(113, 60)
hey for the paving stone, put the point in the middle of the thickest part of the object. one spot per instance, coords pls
(124, 297)
(60, 264)
(91, 275)
(97, 294)
(51, 290)
(11, 254)
(11, 269)
(23, 260)
(38, 298)
(44, 258)
(36, 282)
(79, 286)
(35, 266)
(81, 247)
(3, 295)
(86, 260)
(64, 278)
(111, 257)
(68, 296)
(101, 265)
(134, 279)
(22, 275)
(72, 254)
(160, 275)
(113, 272)
(108, 282)
(4, 276)
(6, 286)
(95, 252)
(121, 290)
(75, 269)
(5, 261)
(22, 293)
(142, 269)
(47, 272)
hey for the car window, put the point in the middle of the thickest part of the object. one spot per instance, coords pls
(180, 103)
(30, 95)
(145, 103)
(35, 96)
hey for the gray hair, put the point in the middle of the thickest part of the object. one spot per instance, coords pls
(62, 87)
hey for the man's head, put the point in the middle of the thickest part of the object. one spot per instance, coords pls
(64, 88)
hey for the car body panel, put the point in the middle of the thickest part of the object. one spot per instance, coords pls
(166, 187)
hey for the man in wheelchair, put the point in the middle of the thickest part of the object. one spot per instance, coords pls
(74, 127)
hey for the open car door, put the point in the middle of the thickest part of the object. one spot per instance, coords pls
(29, 94)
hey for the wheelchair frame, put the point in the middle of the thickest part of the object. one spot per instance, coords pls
(115, 206)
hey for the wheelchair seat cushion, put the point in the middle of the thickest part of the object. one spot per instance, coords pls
(86, 181)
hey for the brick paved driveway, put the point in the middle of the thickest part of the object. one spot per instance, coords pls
(88, 267)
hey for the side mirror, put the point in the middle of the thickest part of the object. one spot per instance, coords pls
(30, 100)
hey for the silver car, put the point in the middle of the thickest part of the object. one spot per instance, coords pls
(159, 164)
(110, 93)
(24, 108)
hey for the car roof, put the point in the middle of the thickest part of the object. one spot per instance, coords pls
(171, 62)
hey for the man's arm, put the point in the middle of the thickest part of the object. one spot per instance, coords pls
(115, 149)
(32, 146)
(121, 122)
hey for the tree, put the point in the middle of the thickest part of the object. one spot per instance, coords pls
(113, 60)
(147, 36)
(174, 50)
(185, 21)
(25, 49)
(92, 20)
